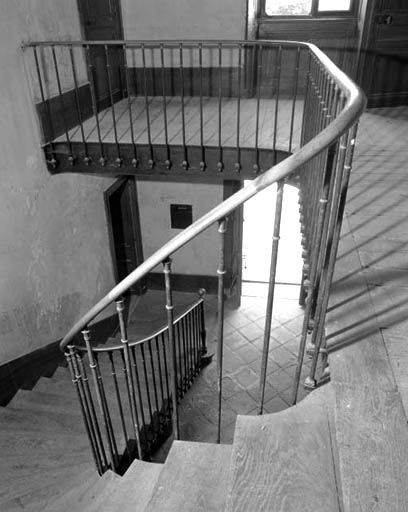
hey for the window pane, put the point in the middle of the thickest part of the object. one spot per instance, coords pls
(334, 5)
(291, 8)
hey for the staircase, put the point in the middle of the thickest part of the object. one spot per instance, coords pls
(281, 461)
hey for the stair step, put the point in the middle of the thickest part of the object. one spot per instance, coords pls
(33, 491)
(194, 477)
(103, 485)
(132, 492)
(78, 488)
(36, 400)
(371, 428)
(284, 461)
(12, 419)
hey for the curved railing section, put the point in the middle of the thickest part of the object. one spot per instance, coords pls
(319, 163)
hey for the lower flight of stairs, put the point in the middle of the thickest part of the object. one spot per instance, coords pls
(294, 460)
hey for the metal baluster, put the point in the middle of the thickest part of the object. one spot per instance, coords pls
(139, 391)
(77, 381)
(172, 345)
(166, 371)
(190, 351)
(102, 159)
(80, 367)
(53, 161)
(120, 306)
(119, 160)
(101, 400)
(185, 355)
(271, 292)
(306, 104)
(203, 331)
(149, 134)
(153, 370)
(315, 267)
(295, 91)
(222, 229)
(87, 159)
(197, 336)
(256, 166)
(347, 145)
(135, 160)
(220, 164)
(167, 163)
(184, 163)
(181, 377)
(275, 125)
(146, 380)
(157, 349)
(238, 162)
(200, 63)
(118, 398)
(71, 157)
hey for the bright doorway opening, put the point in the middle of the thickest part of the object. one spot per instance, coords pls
(259, 216)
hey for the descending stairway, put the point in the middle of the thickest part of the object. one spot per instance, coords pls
(282, 461)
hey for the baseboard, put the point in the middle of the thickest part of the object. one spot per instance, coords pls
(183, 282)
(24, 372)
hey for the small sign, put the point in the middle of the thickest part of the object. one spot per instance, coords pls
(181, 215)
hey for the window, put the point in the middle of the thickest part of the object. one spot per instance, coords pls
(307, 7)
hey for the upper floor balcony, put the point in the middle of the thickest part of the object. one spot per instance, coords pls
(196, 110)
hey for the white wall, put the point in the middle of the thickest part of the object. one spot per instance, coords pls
(54, 250)
(183, 20)
(200, 256)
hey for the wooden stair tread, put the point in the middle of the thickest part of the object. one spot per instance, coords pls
(132, 492)
(372, 440)
(45, 401)
(105, 484)
(12, 418)
(32, 492)
(284, 461)
(194, 475)
(84, 480)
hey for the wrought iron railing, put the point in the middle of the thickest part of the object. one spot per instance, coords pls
(318, 158)
(129, 410)
(116, 104)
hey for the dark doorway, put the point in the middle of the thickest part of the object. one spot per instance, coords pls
(101, 20)
(124, 230)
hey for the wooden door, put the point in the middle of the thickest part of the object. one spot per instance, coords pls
(101, 21)
(383, 69)
(124, 229)
(233, 247)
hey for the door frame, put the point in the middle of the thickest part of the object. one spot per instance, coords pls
(132, 204)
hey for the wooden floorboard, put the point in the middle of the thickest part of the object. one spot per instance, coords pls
(284, 461)
(211, 121)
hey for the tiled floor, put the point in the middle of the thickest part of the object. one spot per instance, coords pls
(243, 341)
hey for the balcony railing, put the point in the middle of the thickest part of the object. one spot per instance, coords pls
(300, 123)
(168, 107)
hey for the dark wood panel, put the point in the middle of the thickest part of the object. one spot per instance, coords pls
(194, 80)
(61, 111)
(211, 174)
(337, 37)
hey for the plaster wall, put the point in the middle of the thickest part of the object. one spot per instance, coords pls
(183, 20)
(54, 248)
(200, 256)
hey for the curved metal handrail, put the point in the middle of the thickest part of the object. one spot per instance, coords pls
(355, 104)
(154, 334)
